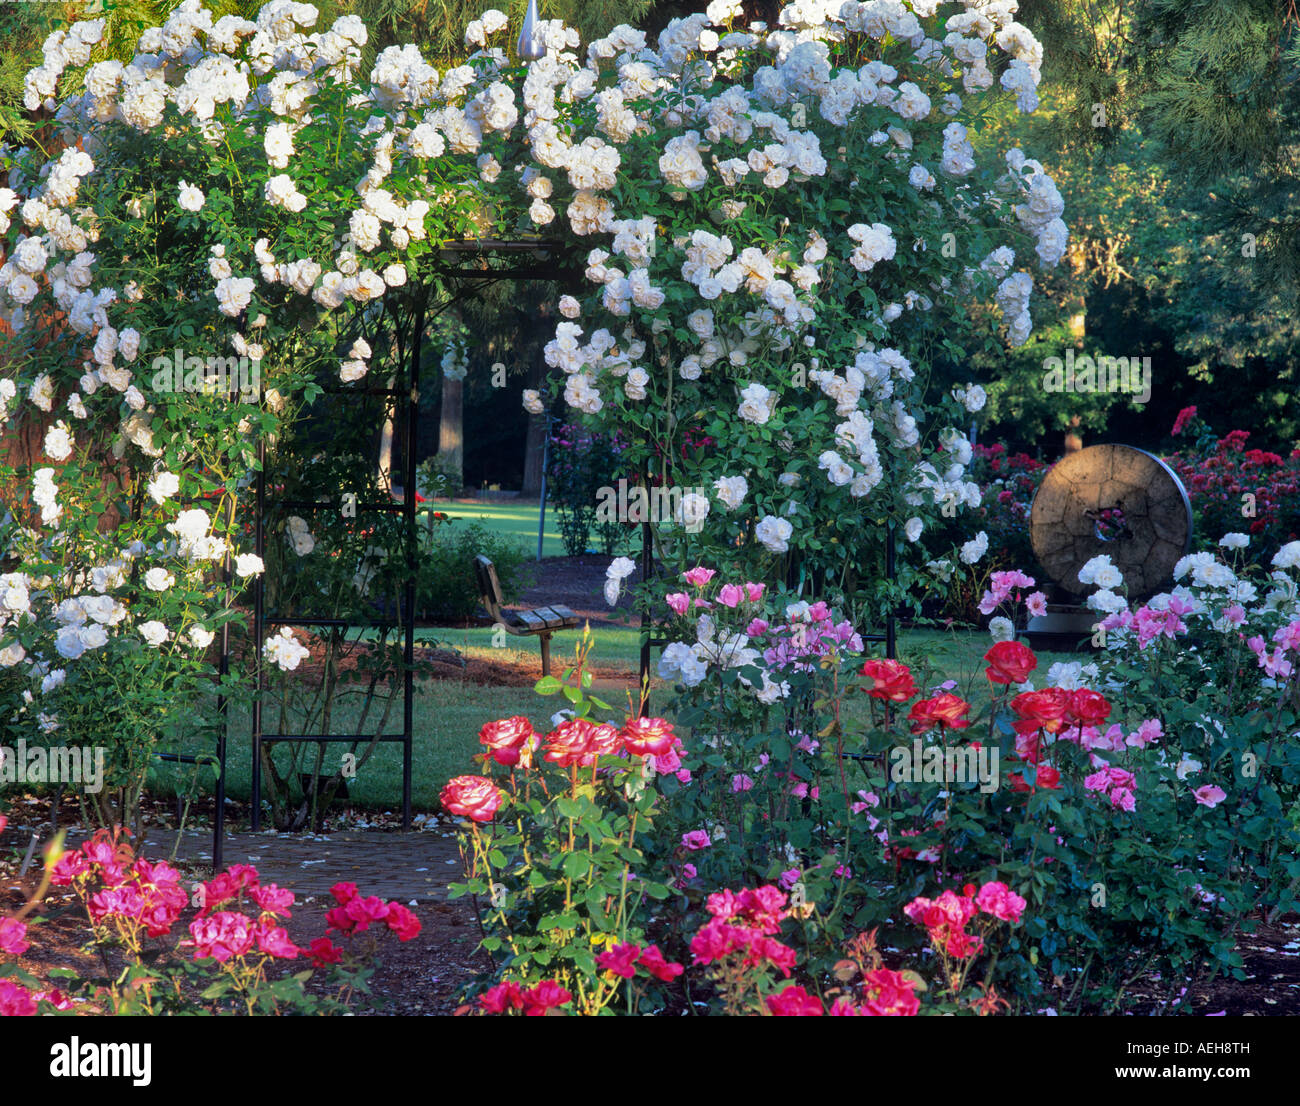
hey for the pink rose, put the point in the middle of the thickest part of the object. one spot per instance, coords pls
(731, 595)
(754, 592)
(698, 577)
(679, 601)
(13, 937)
(274, 941)
(1210, 795)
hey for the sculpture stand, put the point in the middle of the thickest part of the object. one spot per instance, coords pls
(1065, 628)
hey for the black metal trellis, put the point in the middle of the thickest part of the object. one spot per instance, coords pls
(408, 398)
(451, 265)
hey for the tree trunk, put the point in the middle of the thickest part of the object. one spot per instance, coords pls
(1073, 439)
(534, 442)
(451, 444)
(386, 442)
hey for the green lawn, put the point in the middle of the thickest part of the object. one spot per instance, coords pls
(513, 519)
(449, 713)
(509, 518)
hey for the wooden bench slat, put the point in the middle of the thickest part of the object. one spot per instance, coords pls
(531, 620)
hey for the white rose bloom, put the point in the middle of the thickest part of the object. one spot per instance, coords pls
(41, 392)
(190, 526)
(234, 294)
(190, 198)
(1002, 629)
(620, 568)
(731, 491)
(774, 533)
(1089, 572)
(11, 655)
(249, 564)
(158, 579)
(755, 404)
(163, 486)
(692, 510)
(68, 643)
(1108, 576)
(875, 243)
(200, 637)
(278, 143)
(1235, 541)
(1288, 556)
(154, 633)
(974, 549)
(1107, 601)
(533, 402)
(912, 528)
(58, 442)
(284, 650)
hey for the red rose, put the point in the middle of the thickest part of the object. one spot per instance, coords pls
(888, 994)
(943, 710)
(621, 960)
(795, 1002)
(1048, 778)
(324, 951)
(344, 893)
(644, 737)
(402, 921)
(502, 997)
(1088, 708)
(506, 739)
(471, 797)
(653, 961)
(1040, 710)
(890, 680)
(1010, 663)
(577, 741)
(545, 997)
(363, 911)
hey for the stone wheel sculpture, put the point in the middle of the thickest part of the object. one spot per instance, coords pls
(1117, 500)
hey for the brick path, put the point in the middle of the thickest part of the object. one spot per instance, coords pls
(402, 866)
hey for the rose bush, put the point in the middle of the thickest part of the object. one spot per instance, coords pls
(231, 962)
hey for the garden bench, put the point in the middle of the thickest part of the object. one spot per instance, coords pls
(539, 621)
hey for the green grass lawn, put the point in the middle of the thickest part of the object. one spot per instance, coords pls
(615, 645)
(449, 713)
(508, 518)
(513, 519)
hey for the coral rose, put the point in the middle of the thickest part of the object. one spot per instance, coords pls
(943, 710)
(890, 680)
(506, 739)
(471, 797)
